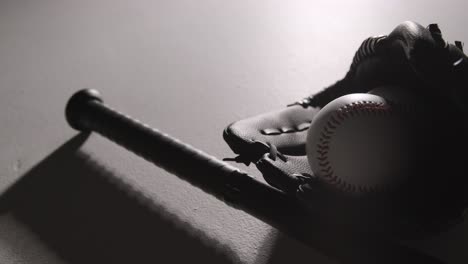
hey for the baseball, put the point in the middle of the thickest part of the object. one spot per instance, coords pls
(362, 143)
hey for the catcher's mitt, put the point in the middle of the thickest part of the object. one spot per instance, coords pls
(411, 56)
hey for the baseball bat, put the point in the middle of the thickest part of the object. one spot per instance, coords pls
(85, 111)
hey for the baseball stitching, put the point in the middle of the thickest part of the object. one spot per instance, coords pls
(359, 108)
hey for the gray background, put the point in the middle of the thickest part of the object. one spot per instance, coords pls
(188, 68)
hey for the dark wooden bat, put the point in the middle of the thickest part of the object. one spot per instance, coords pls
(85, 111)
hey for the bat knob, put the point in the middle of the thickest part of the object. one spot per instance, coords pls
(77, 104)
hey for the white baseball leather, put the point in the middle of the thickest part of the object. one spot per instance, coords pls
(360, 143)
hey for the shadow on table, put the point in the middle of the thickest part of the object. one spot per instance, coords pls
(335, 249)
(87, 215)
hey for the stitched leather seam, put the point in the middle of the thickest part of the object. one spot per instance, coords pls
(348, 111)
(285, 130)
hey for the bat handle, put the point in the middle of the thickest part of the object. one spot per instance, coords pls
(86, 112)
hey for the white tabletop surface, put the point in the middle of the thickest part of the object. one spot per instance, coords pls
(188, 68)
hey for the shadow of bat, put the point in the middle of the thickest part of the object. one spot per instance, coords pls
(87, 215)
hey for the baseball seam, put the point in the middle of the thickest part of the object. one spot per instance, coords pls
(358, 108)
